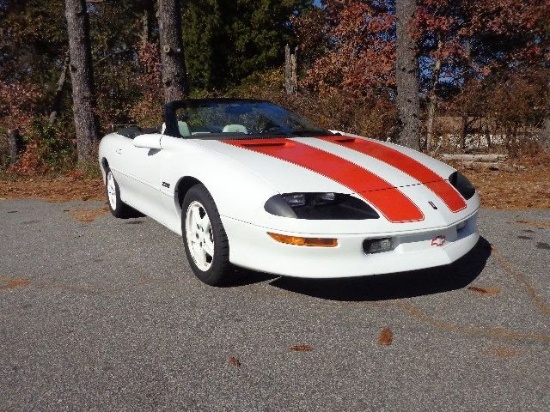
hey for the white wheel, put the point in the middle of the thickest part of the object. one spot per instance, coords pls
(198, 232)
(117, 207)
(111, 190)
(204, 237)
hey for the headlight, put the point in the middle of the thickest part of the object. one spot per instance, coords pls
(320, 206)
(462, 184)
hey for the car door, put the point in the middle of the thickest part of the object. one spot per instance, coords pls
(139, 174)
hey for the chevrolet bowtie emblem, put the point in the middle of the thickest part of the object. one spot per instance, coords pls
(438, 240)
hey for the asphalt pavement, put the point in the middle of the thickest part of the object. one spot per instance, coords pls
(105, 315)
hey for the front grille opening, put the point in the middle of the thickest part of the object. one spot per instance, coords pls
(371, 246)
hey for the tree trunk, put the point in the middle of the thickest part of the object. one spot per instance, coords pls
(16, 145)
(294, 70)
(174, 77)
(430, 121)
(56, 104)
(463, 132)
(291, 69)
(408, 99)
(147, 20)
(545, 134)
(82, 78)
(432, 100)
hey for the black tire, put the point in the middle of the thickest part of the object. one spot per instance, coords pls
(117, 207)
(204, 237)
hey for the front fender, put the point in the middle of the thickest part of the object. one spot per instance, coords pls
(238, 192)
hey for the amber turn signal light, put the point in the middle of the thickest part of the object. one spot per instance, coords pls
(304, 241)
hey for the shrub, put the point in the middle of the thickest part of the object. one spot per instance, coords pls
(48, 148)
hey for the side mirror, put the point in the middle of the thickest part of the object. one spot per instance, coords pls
(148, 141)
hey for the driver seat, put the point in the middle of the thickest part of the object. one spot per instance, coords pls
(234, 128)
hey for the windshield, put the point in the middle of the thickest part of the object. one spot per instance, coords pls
(229, 118)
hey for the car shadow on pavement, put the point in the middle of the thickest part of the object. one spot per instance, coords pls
(397, 285)
(244, 277)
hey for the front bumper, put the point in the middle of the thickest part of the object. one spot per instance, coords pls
(251, 247)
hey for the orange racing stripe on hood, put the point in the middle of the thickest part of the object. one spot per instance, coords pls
(392, 203)
(439, 186)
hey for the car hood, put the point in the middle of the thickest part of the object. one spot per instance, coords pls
(400, 183)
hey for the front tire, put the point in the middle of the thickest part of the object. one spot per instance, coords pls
(204, 237)
(117, 207)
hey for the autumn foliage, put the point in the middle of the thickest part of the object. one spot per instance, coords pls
(483, 68)
(479, 61)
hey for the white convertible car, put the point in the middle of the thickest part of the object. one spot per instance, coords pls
(249, 183)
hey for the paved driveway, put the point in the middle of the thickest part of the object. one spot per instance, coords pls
(105, 315)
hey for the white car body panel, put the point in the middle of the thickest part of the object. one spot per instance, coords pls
(348, 259)
(241, 181)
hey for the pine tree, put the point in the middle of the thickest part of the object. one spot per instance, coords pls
(174, 77)
(406, 76)
(82, 78)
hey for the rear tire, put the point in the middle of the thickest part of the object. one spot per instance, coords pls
(117, 207)
(204, 237)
